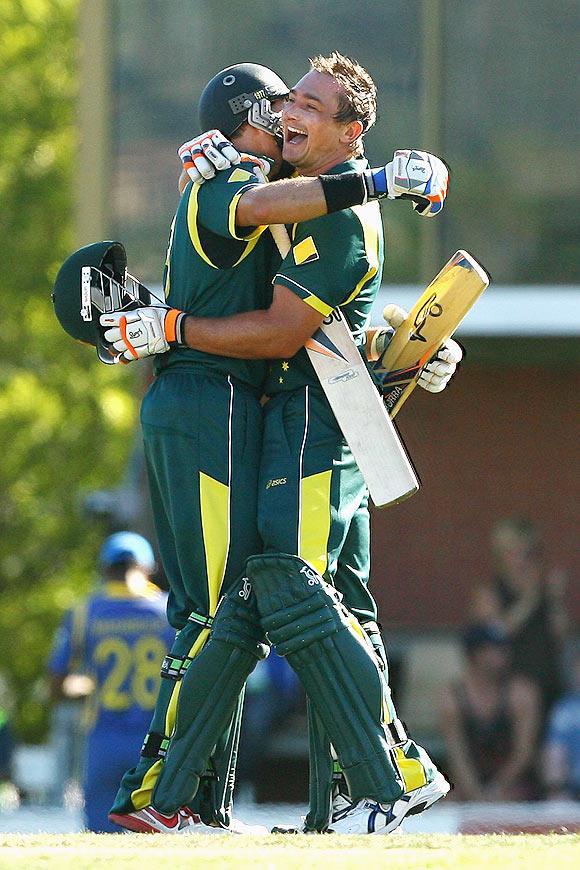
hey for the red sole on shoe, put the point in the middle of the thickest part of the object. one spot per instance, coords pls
(132, 824)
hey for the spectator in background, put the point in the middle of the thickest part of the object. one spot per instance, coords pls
(490, 722)
(527, 603)
(561, 767)
(109, 650)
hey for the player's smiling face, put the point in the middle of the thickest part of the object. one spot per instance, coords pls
(313, 140)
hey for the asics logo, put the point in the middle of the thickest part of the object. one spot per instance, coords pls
(277, 481)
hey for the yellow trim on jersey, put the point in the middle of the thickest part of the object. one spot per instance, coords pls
(315, 519)
(141, 797)
(241, 175)
(249, 237)
(369, 216)
(167, 282)
(305, 251)
(318, 305)
(412, 770)
(192, 211)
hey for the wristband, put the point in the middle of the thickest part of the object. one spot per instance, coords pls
(376, 182)
(343, 191)
(174, 324)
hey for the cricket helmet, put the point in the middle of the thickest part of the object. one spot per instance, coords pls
(227, 98)
(92, 281)
(127, 548)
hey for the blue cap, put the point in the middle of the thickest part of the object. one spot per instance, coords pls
(127, 547)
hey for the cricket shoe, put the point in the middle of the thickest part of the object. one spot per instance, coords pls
(150, 821)
(369, 817)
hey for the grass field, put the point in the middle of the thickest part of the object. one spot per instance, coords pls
(398, 852)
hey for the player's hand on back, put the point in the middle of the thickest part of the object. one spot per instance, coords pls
(142, 332)
(202, 156)
(416, 175)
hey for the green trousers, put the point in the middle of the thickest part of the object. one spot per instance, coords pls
(202, 435)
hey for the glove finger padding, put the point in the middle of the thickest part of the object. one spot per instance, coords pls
(437, 373)
(206, 153)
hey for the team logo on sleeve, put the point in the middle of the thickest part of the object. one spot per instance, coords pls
(241, 175)
(305, 251)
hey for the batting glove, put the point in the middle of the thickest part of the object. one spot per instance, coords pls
(437, 373)
(415, 175)
(143, 332)
(201, 156)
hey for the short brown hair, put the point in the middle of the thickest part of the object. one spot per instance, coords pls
(358, 100)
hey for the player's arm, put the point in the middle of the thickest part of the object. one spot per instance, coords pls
(418, 176)
(278, 331)
(271, 333)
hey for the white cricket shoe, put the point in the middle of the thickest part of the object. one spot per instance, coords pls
(236, 826)
(369, 817)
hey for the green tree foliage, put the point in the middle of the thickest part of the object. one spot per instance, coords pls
(66, 420)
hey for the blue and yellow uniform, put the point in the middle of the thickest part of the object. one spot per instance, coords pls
(202, 432)
(118, 639)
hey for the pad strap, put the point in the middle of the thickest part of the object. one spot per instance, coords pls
(174, 667)
(155, 745)
(200, 619)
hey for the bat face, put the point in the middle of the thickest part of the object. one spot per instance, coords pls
(432, 320)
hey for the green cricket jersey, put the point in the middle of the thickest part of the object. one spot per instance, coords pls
(214, 269)
(335, 260)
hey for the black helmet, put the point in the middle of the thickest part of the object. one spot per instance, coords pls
(226, 99)
(90, 282)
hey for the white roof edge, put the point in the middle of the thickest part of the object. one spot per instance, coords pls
(518, 310)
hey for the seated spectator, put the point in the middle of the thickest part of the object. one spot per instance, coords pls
(562, 745)
(527, 602)
(490, 722)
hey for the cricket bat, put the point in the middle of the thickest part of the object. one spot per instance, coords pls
(432, 320)
(357, 405)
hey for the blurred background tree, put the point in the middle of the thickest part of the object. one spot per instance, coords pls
(66, 421)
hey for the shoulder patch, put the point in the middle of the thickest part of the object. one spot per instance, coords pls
(305, 251)
(241, 175)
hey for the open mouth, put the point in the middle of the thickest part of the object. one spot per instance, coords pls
(294, 136)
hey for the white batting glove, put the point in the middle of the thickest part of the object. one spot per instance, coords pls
(422, 176)
(143, 332)
(437, 373)
(415, 175)
(205, 154)
(394, 316)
